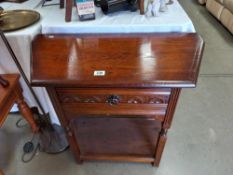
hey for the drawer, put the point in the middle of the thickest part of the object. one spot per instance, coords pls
(114, 101)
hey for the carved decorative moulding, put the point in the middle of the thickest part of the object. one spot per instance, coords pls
(137, 99)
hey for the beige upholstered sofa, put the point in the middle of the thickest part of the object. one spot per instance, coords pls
(222, 10)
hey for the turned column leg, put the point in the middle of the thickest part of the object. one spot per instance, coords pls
(69, 6)
(160, 147)
(24, 109)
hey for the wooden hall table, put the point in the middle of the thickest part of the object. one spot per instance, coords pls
(13, 94)
(116, 94)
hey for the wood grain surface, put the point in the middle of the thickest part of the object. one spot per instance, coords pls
(145, 60)
(124, 114)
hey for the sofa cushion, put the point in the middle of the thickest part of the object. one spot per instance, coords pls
(227, 19)
(229, 5)
(214, 7)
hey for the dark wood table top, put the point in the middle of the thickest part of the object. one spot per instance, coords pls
(140, 61)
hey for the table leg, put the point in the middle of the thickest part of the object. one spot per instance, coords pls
(24, 109)
(160, 147)
(141, 6)
(69, 6)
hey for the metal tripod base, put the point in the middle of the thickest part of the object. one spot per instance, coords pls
(53, 140)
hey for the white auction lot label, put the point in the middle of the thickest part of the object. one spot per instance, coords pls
(99, 73)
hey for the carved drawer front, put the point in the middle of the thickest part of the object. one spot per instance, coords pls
(114, 101)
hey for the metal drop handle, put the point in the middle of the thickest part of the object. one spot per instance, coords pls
(113, 99)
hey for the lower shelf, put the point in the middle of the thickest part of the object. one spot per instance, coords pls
(116, 135)
(119, 158)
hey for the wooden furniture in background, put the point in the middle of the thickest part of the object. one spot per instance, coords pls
(13, 94)
(69, 6)
(116, 94)
(3, 82)
(141, 7)
(10, 95)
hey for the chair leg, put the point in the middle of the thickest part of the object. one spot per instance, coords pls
(25, 110)
(1, 173)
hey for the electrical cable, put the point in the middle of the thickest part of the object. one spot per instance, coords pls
(18, 125)
(29, 148)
